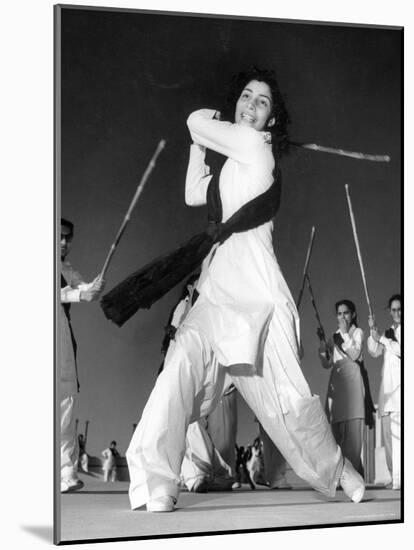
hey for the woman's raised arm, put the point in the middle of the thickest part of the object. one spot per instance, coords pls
(198, 177)
(232, 140)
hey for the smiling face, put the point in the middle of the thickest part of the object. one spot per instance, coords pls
(395, 311)
(255, 106)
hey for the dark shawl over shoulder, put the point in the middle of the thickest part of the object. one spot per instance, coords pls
(150, 283)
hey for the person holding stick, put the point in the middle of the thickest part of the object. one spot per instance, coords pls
(73, 289)
(244, 323)
(388, 345)
(349, 400)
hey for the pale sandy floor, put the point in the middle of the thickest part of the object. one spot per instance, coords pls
(101, 511)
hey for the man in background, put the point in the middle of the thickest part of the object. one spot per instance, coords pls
(110, 462)
(73, 289)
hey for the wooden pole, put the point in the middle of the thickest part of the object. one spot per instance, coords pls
(305, 269)
(318, 319)
(358, 249)
(86, 431)
(135, 198)
(342, 152)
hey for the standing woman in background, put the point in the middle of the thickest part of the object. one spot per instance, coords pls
(347, 394)
(389, 401)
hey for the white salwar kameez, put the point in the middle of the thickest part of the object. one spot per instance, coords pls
(389, 399)
(246, 319)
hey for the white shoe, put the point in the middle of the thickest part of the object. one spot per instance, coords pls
(351, 482)
(70, 484)
(236, 485)
(161, 504)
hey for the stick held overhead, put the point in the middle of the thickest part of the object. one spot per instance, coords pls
(358, 249)
(134, 201)
(342, 152)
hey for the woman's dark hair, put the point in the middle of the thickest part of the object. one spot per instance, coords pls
(351, 306)
(279, 130)
(394, 297)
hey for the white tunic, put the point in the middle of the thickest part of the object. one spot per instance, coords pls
(390, 389)
(241, 285)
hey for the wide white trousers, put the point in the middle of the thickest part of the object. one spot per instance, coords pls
(391, 430)
(202, 461)
(68, 440)
(190, 387)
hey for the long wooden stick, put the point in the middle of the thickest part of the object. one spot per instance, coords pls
(138, 192)
(361, 265)
(86, 431)
(305, 269)
(318, 319)
(342, 152)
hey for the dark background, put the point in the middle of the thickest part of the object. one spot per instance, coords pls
(130, 79)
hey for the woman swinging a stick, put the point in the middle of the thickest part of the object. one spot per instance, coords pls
(244, 325)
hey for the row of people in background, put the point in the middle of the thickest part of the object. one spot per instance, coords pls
(349, 403)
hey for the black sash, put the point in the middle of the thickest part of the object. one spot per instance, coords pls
(389, 333)
(65, 305)
(338, 341)
(147, 285)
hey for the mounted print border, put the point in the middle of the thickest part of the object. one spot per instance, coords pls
(126, 82)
